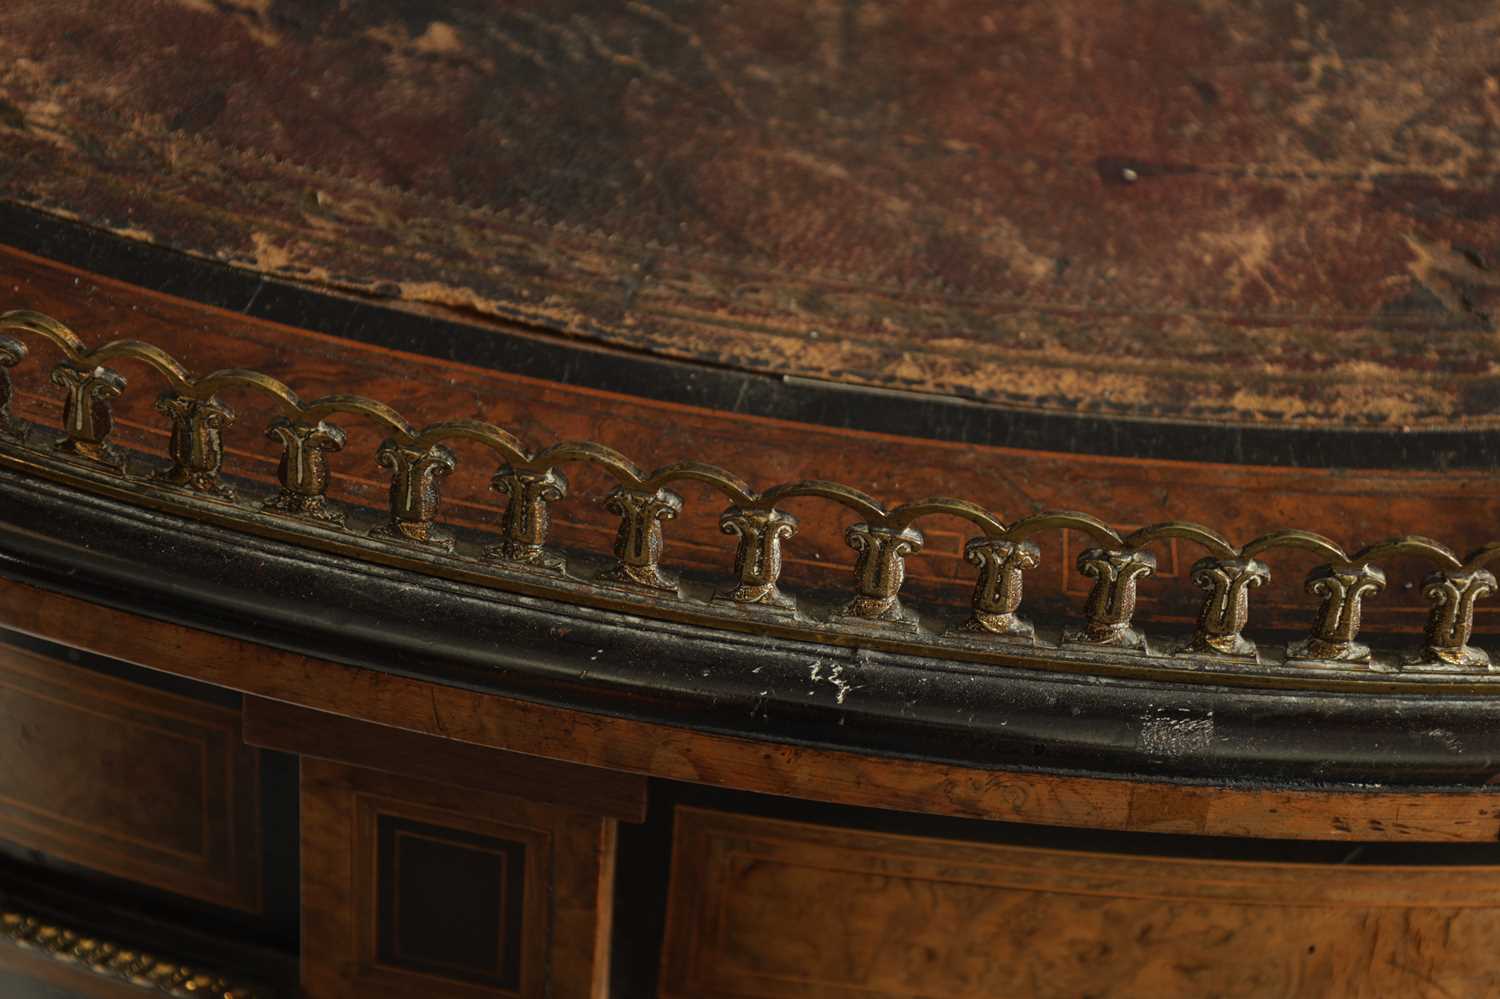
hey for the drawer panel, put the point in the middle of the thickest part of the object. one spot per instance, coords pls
(774, 909)
(128, 780)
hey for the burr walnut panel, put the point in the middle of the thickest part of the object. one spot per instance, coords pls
(765, 908)
(127, 780)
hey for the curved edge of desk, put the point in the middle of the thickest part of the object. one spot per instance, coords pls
(799, 771)
(537, 680)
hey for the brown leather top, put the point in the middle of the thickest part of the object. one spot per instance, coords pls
(1276, 213)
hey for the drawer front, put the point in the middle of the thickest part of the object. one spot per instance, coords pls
(128, 780)
(766, 908)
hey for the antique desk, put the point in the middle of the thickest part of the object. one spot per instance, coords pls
(791, 499)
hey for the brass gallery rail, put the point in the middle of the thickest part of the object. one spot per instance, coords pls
(519, 559)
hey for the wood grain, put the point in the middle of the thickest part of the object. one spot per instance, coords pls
(1243, 501)
(784, 769)
(763, 909)
(135, 782)
(568, 890)
(340, 739)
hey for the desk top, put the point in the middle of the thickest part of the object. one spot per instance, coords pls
(697, 247)
(1269, 216)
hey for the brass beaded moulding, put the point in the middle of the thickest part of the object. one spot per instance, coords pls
(1106, 640)
(117, 962)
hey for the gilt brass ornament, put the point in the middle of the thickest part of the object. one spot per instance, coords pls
(121, 966)
(1111, 600)
(1451, 624)
(196, 446)
(303, 468)
(1343, 588)
(997, 594)
(638, 542)
(526, 520)
(1226, 609)
(416, 480)
(87, 417)
(12, 352)
(757, 559)
(518, 554)
(879, 571)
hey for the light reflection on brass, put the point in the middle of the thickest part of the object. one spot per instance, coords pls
(116, 961)
(1111, 601)
(416, 480)
(526, 518)
(997, 593)
(303, 468)
(1343, 587)
(638, 542)
(1226, 609)
(87, 416)
(882, 537)
(757, 559)
(1451, 623)
(879, 571)
(196, 445)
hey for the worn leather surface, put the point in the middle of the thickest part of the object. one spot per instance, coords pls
(1262, 212)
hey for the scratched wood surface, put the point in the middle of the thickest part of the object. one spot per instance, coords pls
(1459, 507)
(682, 754)
(764, 909)
(1267, 213)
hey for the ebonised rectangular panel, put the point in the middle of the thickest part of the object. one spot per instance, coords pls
(451, 902)
(412, 888)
